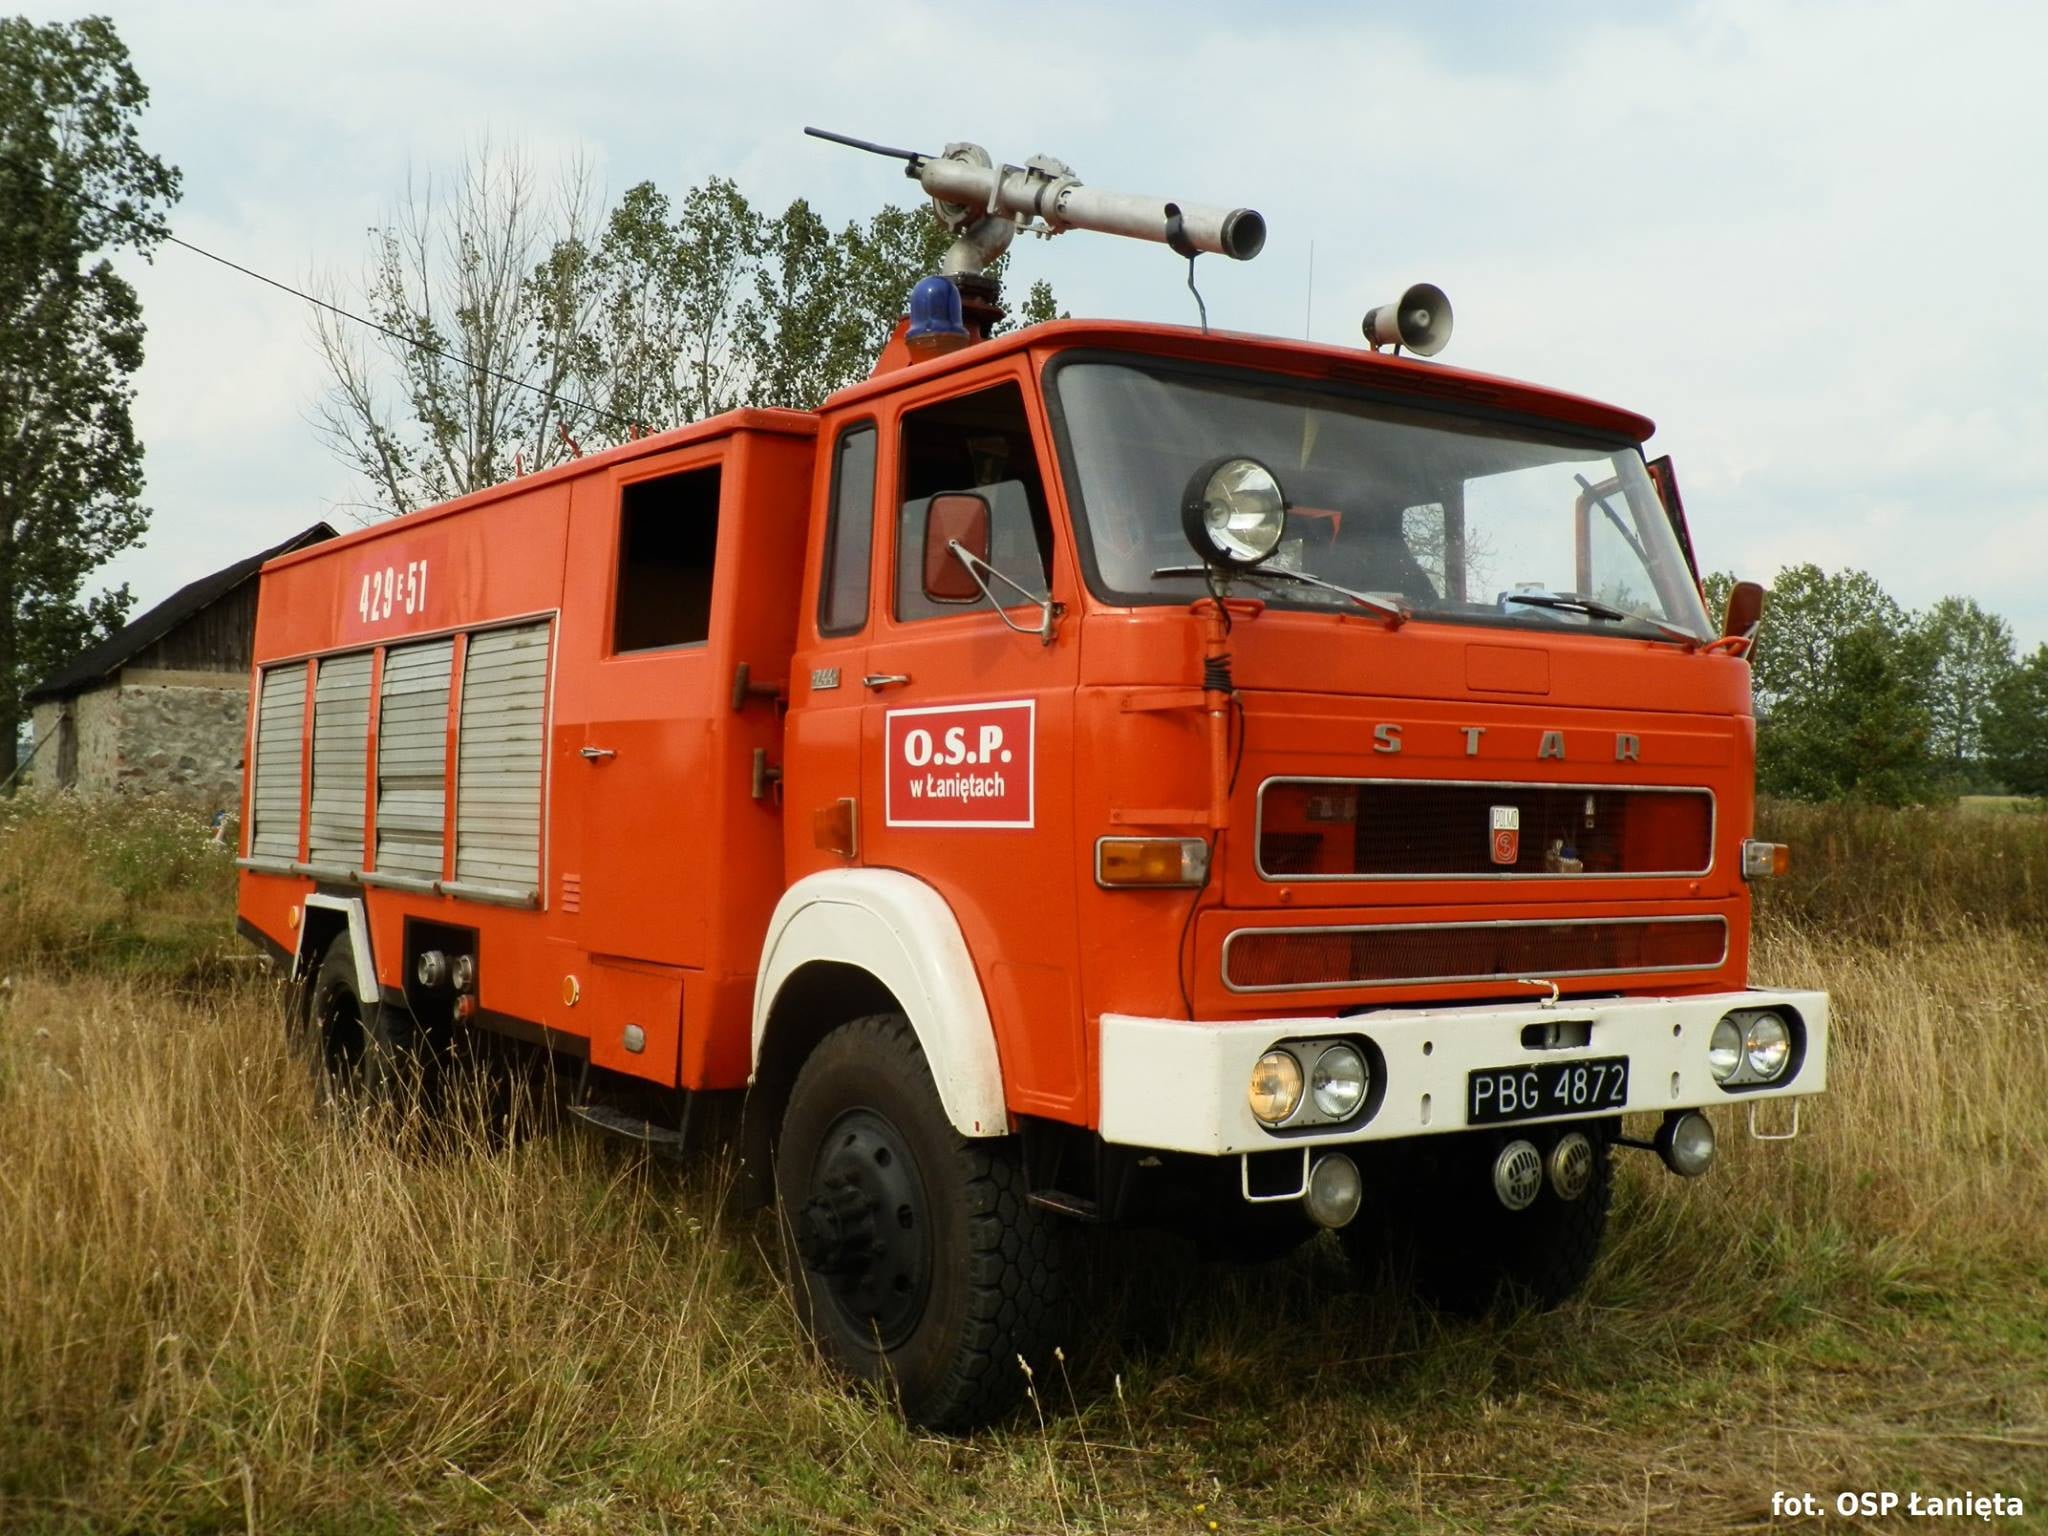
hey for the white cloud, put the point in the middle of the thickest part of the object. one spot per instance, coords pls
(1804, 237)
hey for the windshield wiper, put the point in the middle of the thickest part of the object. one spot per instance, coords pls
(1593, 608)
(1399, 613)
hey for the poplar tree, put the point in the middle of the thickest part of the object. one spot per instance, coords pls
(75, 184)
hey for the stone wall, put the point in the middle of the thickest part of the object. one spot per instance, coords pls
(98, 714)
(153, 732)
(182, 738)
(42, 773)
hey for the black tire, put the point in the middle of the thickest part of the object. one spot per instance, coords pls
(915, 1260)
(1442, 1229)
(362, 1051)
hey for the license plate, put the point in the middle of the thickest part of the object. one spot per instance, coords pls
(1534, 1092)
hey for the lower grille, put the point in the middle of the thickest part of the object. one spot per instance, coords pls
(1289, 959)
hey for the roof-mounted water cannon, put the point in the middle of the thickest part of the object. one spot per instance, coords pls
(987, 205)
(1421, 321)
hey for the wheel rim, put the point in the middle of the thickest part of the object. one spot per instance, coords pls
(863, 1230)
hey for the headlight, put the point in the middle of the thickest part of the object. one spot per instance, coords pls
(1339, 1082)
(1234, 512)
(1275, 1090)
(1724, 1051)
(1768, 1046)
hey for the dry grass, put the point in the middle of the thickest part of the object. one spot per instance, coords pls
(115, 886)
(1889, 874)
(224, 1309)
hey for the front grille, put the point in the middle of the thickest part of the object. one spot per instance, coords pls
(1395, 829)
(1287, 959)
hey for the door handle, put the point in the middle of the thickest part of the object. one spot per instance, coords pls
(886, 679)
(597, 754)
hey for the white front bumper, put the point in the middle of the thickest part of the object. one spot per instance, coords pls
(1180, 1086)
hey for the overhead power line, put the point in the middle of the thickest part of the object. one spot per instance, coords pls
(567, 401)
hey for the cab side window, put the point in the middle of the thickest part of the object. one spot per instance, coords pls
(849, 535)
(979, 442)
(668, 534)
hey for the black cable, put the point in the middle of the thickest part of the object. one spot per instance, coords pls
(410, 341)
(299, 293)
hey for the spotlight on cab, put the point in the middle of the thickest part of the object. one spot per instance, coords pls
(1421, 321)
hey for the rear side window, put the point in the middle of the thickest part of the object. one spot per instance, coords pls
(668, 536)
(850, 535)
(979, 442)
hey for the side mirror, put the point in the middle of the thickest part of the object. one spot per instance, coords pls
(959, 517)
(1745, 610)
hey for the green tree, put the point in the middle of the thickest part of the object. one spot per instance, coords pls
(1972, 653)
(1806, 613)
(1843, 678)
(521, 330)
(2016, 726)
(483, 287)
(1859, 731)
(74, 184)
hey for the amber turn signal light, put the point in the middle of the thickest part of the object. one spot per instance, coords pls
(833, 828)
(1761, 861)
(1151, 861)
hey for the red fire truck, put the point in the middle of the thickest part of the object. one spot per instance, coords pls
(1101, 773)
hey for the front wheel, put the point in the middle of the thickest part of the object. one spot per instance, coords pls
(916, 1261)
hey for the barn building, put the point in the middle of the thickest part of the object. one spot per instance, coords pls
(161, 705)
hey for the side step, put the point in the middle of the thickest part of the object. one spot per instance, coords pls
(618, 1123)
(1078, 1207)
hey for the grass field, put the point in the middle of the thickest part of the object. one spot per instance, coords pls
(221, 1309)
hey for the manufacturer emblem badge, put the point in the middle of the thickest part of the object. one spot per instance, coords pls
(1507, 833)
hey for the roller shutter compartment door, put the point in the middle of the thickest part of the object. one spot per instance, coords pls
(341, 745)
(498, 784)
(274, 794)
(412, 759)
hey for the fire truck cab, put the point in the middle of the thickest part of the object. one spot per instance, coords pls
(1098, 773)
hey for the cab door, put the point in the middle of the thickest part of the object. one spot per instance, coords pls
(967, 740)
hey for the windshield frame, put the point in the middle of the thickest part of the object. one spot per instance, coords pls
(1275, 594)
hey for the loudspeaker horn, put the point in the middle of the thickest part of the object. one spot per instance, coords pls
(1421, 321)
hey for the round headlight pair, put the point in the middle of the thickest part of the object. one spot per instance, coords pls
(1337, 1085)
(1765, 1046)
(1234, 512)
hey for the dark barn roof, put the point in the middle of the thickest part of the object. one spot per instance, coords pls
(108, 657)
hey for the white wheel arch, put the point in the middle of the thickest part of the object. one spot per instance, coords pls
(358, 920)
(901, 932)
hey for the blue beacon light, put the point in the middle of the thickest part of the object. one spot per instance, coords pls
(935, 322)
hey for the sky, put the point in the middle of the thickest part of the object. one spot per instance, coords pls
(1807, 239)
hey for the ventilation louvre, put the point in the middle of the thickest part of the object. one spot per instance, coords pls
(500, 765)
(274, 798)
(341, 744)
(412, 759)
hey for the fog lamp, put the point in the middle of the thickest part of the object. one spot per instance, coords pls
(1724, 1051)
(1233, 512)
(1768, 1046)
(1334, 1191)
(1686, 1143)
(1275, 1089)
(1339, 1082)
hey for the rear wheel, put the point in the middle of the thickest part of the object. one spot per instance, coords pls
(360, 1049)
(1442, 1227)
(916, 1260)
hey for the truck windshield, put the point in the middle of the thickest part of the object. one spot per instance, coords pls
(1452, 516)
